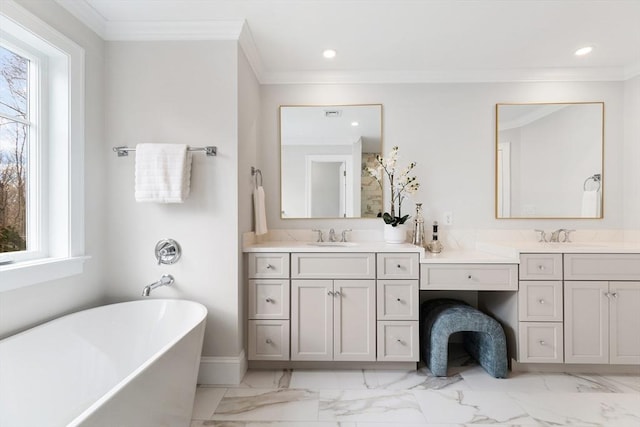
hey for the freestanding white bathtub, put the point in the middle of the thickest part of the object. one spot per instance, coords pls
(129, 364)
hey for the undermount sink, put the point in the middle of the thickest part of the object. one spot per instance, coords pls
(336, 244)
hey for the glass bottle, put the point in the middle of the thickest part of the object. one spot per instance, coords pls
(418, 227)
(434, 245)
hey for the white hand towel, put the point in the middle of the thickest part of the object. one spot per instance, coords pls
(163, 173)
(591, 204)
(259, 211)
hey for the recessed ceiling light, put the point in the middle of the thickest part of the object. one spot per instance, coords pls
(583, 51)
(329, 53)
(355, 124)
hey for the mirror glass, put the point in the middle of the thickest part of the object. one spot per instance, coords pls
(324, 152)
(549, 160)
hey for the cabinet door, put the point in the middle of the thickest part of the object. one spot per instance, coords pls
(624, 322)
(354, 320)
(586, 322)
(312, 319)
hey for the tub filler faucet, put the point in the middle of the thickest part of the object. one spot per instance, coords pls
(165, 280)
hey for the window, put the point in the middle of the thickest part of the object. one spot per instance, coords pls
(19, 82)
(41, 151)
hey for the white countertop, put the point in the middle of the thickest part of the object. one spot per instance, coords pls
(486, 253)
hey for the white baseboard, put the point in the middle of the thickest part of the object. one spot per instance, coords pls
(222, 370)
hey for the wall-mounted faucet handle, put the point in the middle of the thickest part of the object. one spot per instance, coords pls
(567, 235)
(320, 239)
(542, 237)
(344, 235)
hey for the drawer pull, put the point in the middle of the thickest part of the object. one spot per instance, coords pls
(541, 267)
(337, 293)
(268, 341)
(399, 341)
(614, 294)
(330, 293)
(269, 267)
(469, 277)
(268, 299)
(398, 299)
(399, 266)
(541, 301)
(542, 342)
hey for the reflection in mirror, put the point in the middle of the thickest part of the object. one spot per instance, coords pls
(549, 160)
(325, 151)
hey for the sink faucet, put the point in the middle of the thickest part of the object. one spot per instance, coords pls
(165, 280)
(332, 235)
(344, 235)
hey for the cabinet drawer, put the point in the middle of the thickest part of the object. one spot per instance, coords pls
(397, 299)
(398, 341)
(268, 299)
(268, 339)
(487, 277)
(602, 266)
(343, 265)
(268, 266)
(540, 301)
(540, 342)
(398, 266)
(541, 267)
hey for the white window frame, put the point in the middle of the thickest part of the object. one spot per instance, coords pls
(61, 130)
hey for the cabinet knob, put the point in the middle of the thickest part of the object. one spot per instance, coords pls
(330, 293)
(541, 301)
(268, 341)
(337, 293)
(542, 342)
(399, 266)
(398, 299)
(268, 299)
(399, 341)
(541, 267)
(469, 277)
(269, 267)
(614, 294)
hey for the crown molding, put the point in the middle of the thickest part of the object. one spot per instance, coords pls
(165, 30)
(248, 46)
(87, 14)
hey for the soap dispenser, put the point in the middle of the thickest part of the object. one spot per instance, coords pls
(434, 245)
(418, 227)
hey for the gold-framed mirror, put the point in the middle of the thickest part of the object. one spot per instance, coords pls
(549, 160)
(324, 152)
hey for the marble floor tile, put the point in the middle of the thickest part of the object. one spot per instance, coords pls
(206, 402)
(387, 406)
(247, 404)
(421, 379)
(332, 380)
(266, 379)
(469, 407)
(582, 409)
(213, 423)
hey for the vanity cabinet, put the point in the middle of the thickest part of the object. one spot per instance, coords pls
(477, 277)
(398, 307)
(602, 308)
(268, 306)
(540, 305)
(333, 320)
(333, 306)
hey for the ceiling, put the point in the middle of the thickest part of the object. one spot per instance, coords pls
(394, 40)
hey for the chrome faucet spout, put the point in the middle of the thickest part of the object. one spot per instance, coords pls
(165, 280)
(332, 235)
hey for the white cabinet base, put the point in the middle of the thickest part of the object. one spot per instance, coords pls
(541, 342)
(398, 341)
(269, 339)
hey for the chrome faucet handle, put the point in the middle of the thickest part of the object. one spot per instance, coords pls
(320, 239)
(567, 235)
(542, 237)
(344, 235)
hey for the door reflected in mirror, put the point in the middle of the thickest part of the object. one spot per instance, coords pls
(549, 160)
(324, 152)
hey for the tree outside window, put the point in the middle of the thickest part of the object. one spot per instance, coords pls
(14, 146)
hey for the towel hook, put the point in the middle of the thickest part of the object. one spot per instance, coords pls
(256, 173)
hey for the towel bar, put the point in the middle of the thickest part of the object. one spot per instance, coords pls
(123, 151)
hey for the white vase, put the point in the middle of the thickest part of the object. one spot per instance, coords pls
(395, 234)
